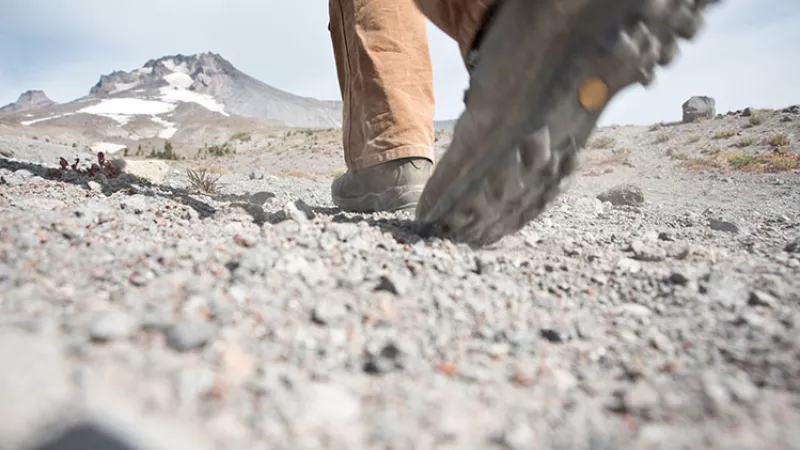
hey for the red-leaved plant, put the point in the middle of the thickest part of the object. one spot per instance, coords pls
(101, 166)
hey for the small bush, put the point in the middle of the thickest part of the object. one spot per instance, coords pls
(779, 140)
(693, 139)
(167, 153)
(725, 134)
(755, 120)
(745, 142)
(679, 156)
(602, 142)
(241, 137)
(220, 150)
(662, 137)
(740, 160)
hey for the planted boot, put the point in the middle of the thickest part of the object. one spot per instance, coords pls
(390, 186)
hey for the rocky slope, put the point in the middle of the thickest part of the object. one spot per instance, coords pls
(654, 306)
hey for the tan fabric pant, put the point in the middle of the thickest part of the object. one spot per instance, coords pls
(385, 75)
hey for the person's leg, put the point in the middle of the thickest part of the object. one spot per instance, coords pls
(459, 19)
(541, 74)
(385, 76)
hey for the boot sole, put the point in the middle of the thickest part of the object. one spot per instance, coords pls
(551, 65)
(390, 200)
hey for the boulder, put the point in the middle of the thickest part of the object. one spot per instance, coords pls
(699, 107)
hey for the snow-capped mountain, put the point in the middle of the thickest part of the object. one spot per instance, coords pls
(166, 95)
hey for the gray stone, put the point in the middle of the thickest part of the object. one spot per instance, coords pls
(761, 298)
(641, 399)
(623, 195)
(185, 337)
(721, 225)
(648, 252)
(329, 311)
(112, 325)
(698, 107)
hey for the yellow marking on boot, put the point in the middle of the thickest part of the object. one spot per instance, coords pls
(593, 94)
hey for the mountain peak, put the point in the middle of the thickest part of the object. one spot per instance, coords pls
(192, 72)
(28, 100)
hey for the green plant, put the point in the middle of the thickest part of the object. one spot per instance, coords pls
(745, 142)
(755, 120)
(740, 160)
(167, 153)
(203, 181)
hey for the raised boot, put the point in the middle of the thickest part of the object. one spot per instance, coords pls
(542, 72)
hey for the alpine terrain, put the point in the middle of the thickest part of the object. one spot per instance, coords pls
(174, 275)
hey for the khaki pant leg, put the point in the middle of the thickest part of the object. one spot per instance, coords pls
(386, 80)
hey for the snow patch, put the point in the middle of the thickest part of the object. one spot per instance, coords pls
(144, 71)
(128, 107)
(119, 118)
(169, 64)
(107, 147)
(179, 80)
(182, 95)
(169, 128)
(27, 123)
(122, 87)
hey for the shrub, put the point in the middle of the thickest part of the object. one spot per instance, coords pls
(602, 142)
(725, 134)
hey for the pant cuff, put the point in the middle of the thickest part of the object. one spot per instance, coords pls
(405, 151)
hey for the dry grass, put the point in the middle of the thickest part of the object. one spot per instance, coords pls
(725, 134)
(337, 172)
(662, 137)
(779, 140)
(745, 142)
(755, 120)
(743, 162)
(602, 142)
(678, 156)
(297, 174)
(693, 139)
(616, 157)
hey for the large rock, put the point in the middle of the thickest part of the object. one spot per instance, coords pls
(699, 107)
(623, 195)
(151, 170)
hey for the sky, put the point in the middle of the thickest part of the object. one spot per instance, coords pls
(746, 55)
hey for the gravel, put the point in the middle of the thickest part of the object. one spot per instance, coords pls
(263, 317)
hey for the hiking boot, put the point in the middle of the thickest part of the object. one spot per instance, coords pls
(390, 186)
(541, 73)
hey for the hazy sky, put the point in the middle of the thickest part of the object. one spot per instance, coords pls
(747, 55)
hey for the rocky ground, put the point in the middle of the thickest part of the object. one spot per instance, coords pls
(656, 305)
